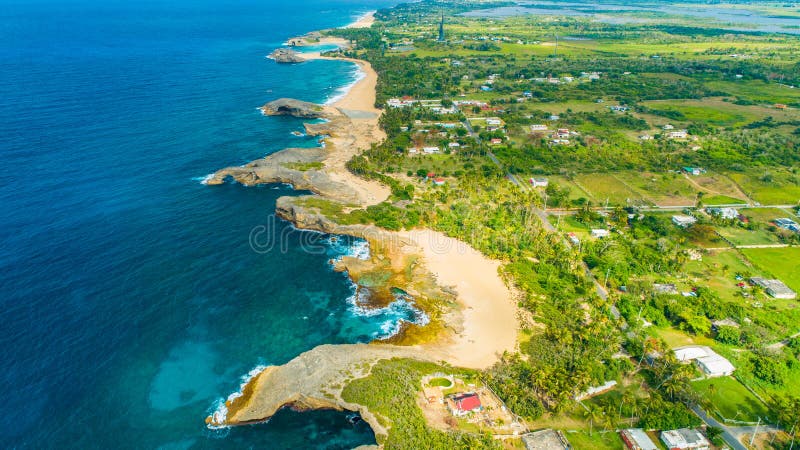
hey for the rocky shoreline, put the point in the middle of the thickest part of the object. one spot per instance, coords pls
(315, 379)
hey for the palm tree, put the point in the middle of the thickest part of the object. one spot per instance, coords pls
(593, 414)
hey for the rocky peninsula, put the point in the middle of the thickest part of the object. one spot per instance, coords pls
(287, 56)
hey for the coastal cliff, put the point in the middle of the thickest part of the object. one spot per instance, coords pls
(294, 108)
(313, 380)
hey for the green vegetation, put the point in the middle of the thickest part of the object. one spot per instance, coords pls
(730, 400)
(390, 392)
(304, 166)
(783, 263)
(599, 119)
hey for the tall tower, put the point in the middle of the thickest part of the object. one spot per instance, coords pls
(441, 29)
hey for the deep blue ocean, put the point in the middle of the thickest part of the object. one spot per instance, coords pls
(132, 301)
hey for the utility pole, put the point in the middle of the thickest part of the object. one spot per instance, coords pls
(555, 54)
(753, 437)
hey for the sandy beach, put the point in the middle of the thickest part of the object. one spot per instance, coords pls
(364, 21)
(489, 312)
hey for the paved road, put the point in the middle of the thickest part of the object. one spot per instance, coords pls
(726, 432)
(732, 435)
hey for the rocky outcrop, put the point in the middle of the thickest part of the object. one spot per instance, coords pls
(294, 108)
(328, 128)
(313, 380)
(285, 167)
(286, 55)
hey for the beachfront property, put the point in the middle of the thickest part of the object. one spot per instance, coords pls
(710, 362)
(723, 213)
(539, 182)
(599, 233)
(545, 440)
(462, 404)
(637, 439)
(775, 288)
(685, 438)
(683, 221)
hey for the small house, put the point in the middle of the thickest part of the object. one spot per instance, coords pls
(683, 221)
(600, 233)
(430, 150)
(685, 439)
(723, 213)
(539, 182)
(678, 134)
(494, 121)
(787, 224)
(538, 127)
(710, 362)
(637, 439)
(696, 171)
(573, 238)
(667, 127)
(775, 288)
(464, 404)
(496, 141)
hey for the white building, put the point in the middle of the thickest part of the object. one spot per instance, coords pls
(685, 438)
(494, 121)
(539, 182)
(637, 439)
(538, 127)
(724, 213)
(710, 362)
(679, 134)
(775, 288)
(600, 233)
(683, 221)
(430, 150)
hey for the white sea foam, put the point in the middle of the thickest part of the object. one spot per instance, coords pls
(339, 94)
(402, 310)
(205, 179)
(220, 413)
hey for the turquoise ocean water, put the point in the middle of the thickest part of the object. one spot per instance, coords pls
(132, 301)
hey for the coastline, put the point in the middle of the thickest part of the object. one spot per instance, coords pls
(474, 335)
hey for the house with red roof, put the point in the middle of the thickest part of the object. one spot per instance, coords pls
(463, 404)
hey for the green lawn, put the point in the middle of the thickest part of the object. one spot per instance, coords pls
(783, 263)
(741, 236)
(730, 399)
(722, 200)
(598, 440)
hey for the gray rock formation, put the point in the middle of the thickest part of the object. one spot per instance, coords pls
(292, 107)
(286, 55)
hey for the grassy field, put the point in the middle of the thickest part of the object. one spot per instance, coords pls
(717, 271)
(663, 189)
(741, 236)
(711, 111)
(758, 91)
(770, 187)
(677, 338)
(783, 263)
(722, 200)
(598, 440)
(731, 400)
(607, 188)
(764, 216)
